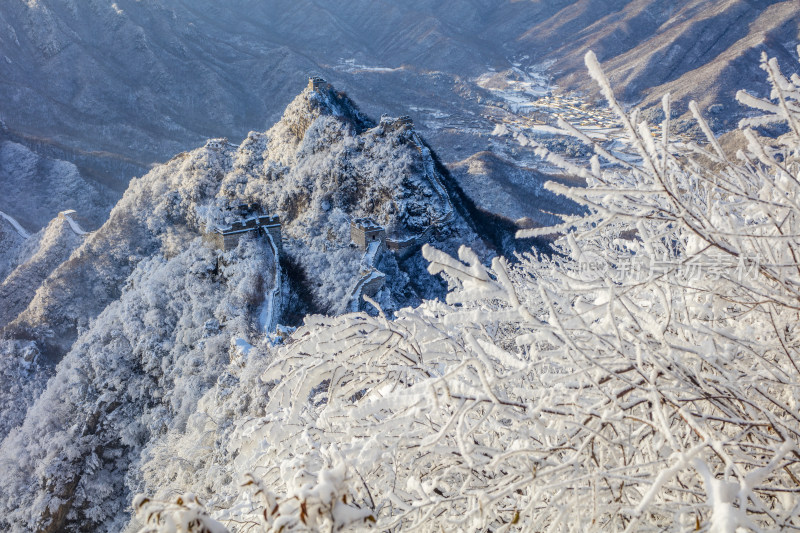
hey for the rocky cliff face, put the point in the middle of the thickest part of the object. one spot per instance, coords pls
(324, 164)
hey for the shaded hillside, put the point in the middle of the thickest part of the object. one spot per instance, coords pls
(36, 188)
(499, 186)
(10, 243)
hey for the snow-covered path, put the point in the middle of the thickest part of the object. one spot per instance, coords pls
(368, 273)
(66, 215)
(267, 317)
(24, 234)
(430, 172)
(368, 261)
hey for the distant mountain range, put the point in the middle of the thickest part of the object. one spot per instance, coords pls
(117, 86)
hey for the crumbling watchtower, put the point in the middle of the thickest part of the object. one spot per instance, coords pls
(363, 231)
(315, 83)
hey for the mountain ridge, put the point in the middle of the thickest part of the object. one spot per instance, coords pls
(187, 97)
(130, 324)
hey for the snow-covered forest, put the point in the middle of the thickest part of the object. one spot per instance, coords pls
(523, 299)
(111, 337)
(645, 377)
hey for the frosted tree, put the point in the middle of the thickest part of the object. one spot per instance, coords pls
(644, 378)
(70, 461)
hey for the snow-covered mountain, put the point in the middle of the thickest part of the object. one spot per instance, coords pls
(319, 166)
(37, 257)
(36, 188)
(133, 322)
(116, 86)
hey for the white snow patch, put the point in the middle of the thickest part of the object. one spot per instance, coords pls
(241, 345)
(350, 66)
(500, 130)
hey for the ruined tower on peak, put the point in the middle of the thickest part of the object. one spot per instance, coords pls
(316, 83)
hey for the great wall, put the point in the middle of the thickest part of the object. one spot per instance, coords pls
(364, 231)
(371, 238)
(268, 318)
(68, 216)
